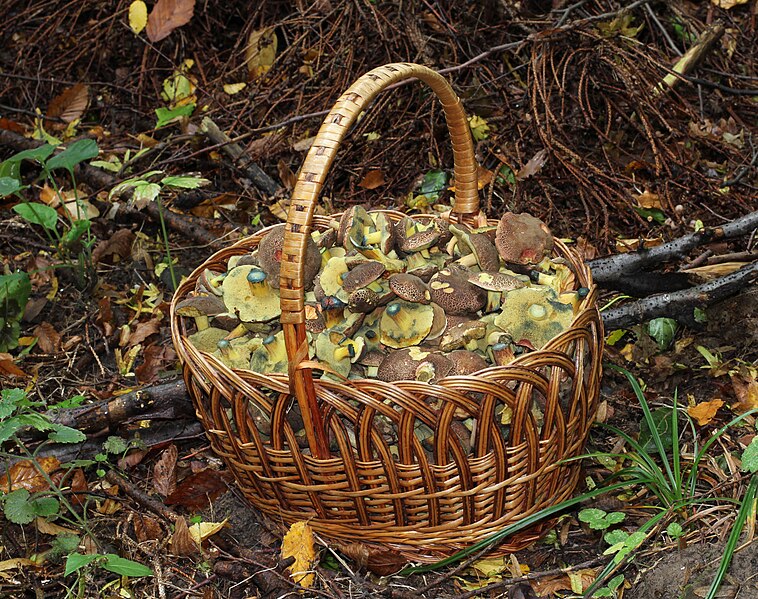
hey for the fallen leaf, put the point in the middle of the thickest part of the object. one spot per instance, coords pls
(649, 200)
(164, 473)
(299, 543)
(146, 528)
(532, 167)
(74, 481)
(713, 271)
(198, 489)
(631, 245)
(705, 411)
(156, 358)
(166, 16)
(48, 339)
(8, 368)
(286, 176)
(480, 129)
(81, 209)
(204, 530)
(234, 88)
(181, 541)
(25, 475)
(119, 244)
(9, 125)
(382, 562)
(304, 144)
(70, 104)
(141, 331)
(727, 4)
(137, 16)
(745, 388)
(372, 179)
(15, 563)
(260, 52)
(550, 586)
(51, 528)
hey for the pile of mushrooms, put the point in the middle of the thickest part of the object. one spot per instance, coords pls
(410, 300)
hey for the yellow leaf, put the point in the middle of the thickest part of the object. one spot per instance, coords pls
(234, 88)
(480, 129)
(705, 411)
(203, 530)
(648, 199)
(260, 52)
(137, 16)
(15, 563)
(727, 4)
(299, 543)
(51, 528)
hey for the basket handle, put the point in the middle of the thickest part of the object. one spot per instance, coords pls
(303, 203)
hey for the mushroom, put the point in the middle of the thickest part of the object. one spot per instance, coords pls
(248, 294)
(362, 275)
(382, 234)
(333, 310)
(338, 356)
(439, 323)
(352, 221)
(404, 323)
(455, 294)
(271, 356)
(460, 335)
(210, 281)
(201, 307)
(412, 236)
(207, 339)
(409, 288)
(411, 362)
(331, 277)
(348, 326)
(270, 257)
(465, 362)
(496, 281)
(226, 321)
(523, 239)
(475, 249)
(236, 353)
(534, 315)
(363, 300)
(314, 320)
(501, 353)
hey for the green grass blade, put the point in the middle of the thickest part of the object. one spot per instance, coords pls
(676, 450)
(516, 527)
(748, 505)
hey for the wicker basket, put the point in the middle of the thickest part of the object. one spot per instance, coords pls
(349, 483)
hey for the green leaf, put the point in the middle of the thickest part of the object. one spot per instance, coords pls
(115, 445)
(78, 228)
(66, 434)
(699, 315)
(9, 427)
(590, 515)
(614, 537)
(11, 169)
(45, 506)
(79, 151)
(9, 400)
(615, 582)
(674, 530)
(185, 181)
(77, 561)
(107, 165)
(615, 336)
(125, 567)
(434, 182)
(65, 543)
(9, 186)
(480, 129)
(73, 402)
(750, 457)
(38, 154)
(506, 175)
(651, 214)
(10, 330)
(168, 115)
(615, 518)
(663, 331)
(17, 507)
(661, 420)
(37, 214)
(15, 289)
(145, 192)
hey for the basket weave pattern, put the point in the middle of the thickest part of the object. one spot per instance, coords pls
(361, 473)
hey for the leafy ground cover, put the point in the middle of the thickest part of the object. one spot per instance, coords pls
(112, 490)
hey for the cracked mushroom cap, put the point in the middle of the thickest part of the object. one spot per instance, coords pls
(465, 362)
(409, 288)
(201, 308)
(270, 257)
(363, 300)
(248, 294)
(523, 239)
(411, 362)
(405, 323)
(454, 294)
(362, 274)
(534, 315)
(496, 281)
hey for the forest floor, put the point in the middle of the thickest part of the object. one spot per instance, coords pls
(574, 121)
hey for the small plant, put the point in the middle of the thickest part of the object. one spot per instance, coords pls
(15, 289)
(600, 519)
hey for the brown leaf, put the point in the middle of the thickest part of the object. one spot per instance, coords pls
(156, 357)
(745, 388)
(382, 562)
(166, 16)
(141, 331)
(8, 368)
(25, 475)
(705, 411)
(181, 541)
(532, 167)
(117, 245)
(75, 481)
(51, 528)
(147, 528)
(164, 473)
(197, 490)
(70, 104)
(105, 316)
(9, 125)
(286, 176)
(132, 459)
(48, 339)
(648, 199)
(372, 179)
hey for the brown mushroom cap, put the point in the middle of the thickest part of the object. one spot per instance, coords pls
(523, 239)
(411, 236)
(496, 281)
(455, 294)
(465, 362)
(201, 305)
(363, 300)
(404, 364)
(459, 335)
(362, 275)
(270, 257)
(486, 253)
(410, 288)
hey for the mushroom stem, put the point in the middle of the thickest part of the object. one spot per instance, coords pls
(236, 332)
(344, 351)
(202, 322)
(467, 260)
(372, 238)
